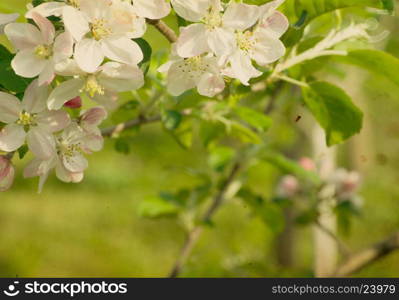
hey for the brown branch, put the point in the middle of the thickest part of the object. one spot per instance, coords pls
(345, 251)
(115, 130)
(193, 236)
(368, 256)
(164, 29)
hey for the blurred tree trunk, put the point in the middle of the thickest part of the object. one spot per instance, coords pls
(325, 247)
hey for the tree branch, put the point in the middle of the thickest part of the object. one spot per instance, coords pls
(345, 251)
(164, 29)
(193, 236)
(368, 256)
(115, 130)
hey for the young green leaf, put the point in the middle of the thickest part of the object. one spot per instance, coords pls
(334, 110)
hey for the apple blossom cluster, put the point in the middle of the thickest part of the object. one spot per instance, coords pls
(345, 183)
(90, 52)
(223, 40)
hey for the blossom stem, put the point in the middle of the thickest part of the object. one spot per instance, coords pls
(116, 130)
(164, 29)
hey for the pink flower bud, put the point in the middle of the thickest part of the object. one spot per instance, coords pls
(288, 187)
(7, 173)
(347, 183)
(307, 163)
(94, 116)
(74, 103)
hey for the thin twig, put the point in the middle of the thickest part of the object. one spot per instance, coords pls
(368, 256)
(193, 235)
(345, 251)
(164, 29)
(115, 130)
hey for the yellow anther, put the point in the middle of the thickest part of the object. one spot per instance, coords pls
(44, 51)
(99, 29)
(92, 87)
(245, 41)
(26, 119)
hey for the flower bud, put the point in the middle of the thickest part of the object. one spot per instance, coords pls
(307, 163)
(347, 183)
(74, 103)
(94, 116)
(288, 187)
(7, 173)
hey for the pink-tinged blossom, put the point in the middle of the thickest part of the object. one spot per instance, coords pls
(89, 122)
(7, 173)
(201, 72)
(307, 163)
(346, 183)
(6, 19)
(214, 29)
(39, 49)
(67, 159)
(102, 86)
(260, 44)
(99, 34)
(288, 187)
(30, 121)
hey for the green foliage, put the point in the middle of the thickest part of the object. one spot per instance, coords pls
(8, 79)
(378, 62)
(269, 212)
(334, 110)
(157, 207)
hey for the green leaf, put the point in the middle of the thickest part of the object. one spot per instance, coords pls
(389, 5)
(301, 12)
(9, 80)
(254, 118)
(270, 213)
(334, 110)
(172, 119)
(23, 151)
(122, 145)
(291, 167)
(243, 133)
(147, 52)
(378, 62)
(157, 207)
(220, 157)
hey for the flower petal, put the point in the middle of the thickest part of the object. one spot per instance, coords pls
(12, 137)
(191, 10)
(46, 27)
(5, 19)
(242, 68)
(75, 164)
(267, 49)
(121, 78)
(154, 9)
(48, 73)
(89, 55)
(23, 35)
(35, 98)
(64, 92)
(178, 81)
(54, 120)
(193, 41)
(66, 176)
(94, 116)
(63, 47)
(221, 41)
(122, 49)
(240, 16)
(10, 108)
(47, 9)
(211, 85)
(41, 143)
(75, 22)
(96, 9)
(27, 64)
(275, 25)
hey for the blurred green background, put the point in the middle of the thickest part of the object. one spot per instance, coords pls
(93, 229)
